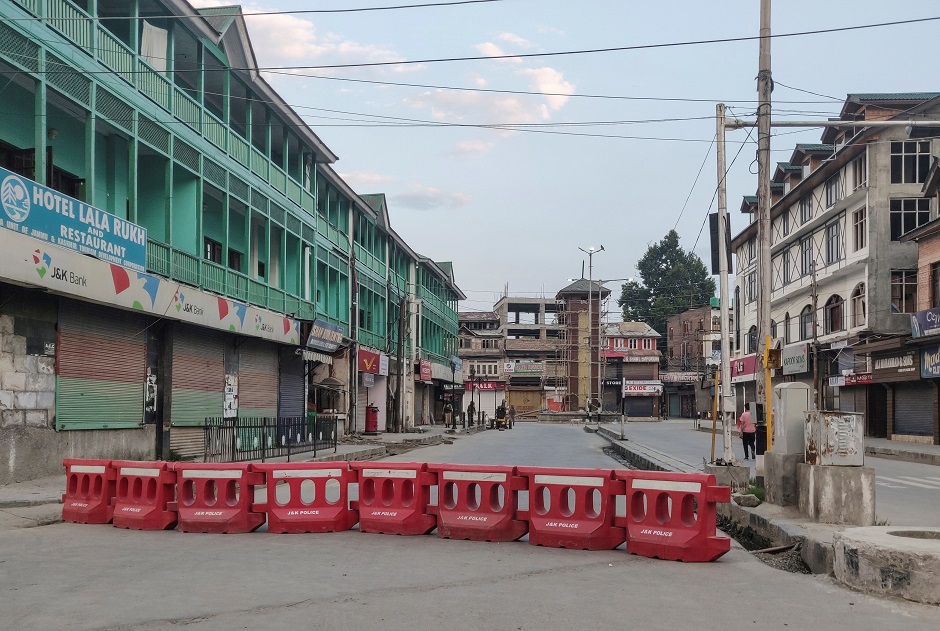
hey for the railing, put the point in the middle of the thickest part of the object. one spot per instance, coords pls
(238, 148)
(71, 21)
(277, 179)
(187, 110)
(116, 55)
(260, 438)
(214, 130)
(155, 85)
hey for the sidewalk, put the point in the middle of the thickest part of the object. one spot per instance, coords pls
(39, 502)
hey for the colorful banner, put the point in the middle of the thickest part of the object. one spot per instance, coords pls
(485, 385)
(528, 368)
(425, 370)
(325, 336)
(47, 215)
(925, 323)
(31, 262)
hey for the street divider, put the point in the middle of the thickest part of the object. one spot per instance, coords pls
(217, 497)
(145, 491)
(672, 516)
(478, 502)
(307, 497)
(573, 508)
(394, 497)
(89, 491)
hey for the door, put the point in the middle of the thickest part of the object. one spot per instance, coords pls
(197, 384)
(638, 407)
(877, 419)
(675, 406)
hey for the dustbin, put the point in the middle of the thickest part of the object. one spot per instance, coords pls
(761, 439)
(372, 419)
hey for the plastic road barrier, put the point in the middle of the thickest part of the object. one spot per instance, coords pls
(662, 521)
(394, 497)
(89, 491)
(478, 502)
(308, 497)
(216, 497)
(572, 508)
(144, 491)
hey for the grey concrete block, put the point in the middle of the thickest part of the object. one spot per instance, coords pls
(24, 400)
(746, 499)
(15, 344)
(26, 363)
(735, 477)
(780, 478)
(6, 399)
(45, 401)
(36, 382)
(6, 324)
(6, 362)
(46, 365)
(12, 418)
(15, 381)
(837, 495)
(37, 418)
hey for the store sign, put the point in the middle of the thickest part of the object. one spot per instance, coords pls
(744, 369)
(517, 368)
(613, 383)
(641, 359)
(368, 379)
(925, 323)
(837, 381)
(383, 365)
(369, 361)
(642, 388)
(425, 369)
(48, 215)
(858, 380)
(904, 365)
(486, 385)
(679, 377)
(794, 359)
(457, 362)
(930, 362)
(325, 336)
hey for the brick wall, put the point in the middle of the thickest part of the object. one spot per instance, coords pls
(928, 253)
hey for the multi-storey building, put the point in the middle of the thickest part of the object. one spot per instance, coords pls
(174, 237)
(482, 354)
(842, 277)
(694, 351)
(632, 382)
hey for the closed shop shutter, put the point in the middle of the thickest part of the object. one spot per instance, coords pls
(291, 384)
(639, 371)
(638, 406)
(198, 385)
(362, 400)
(101, 367)
(913, 408)
(257, 379)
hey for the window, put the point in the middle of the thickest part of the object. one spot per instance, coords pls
(833, 190)
(908, 214)
(647, 344)
(859, 172)
(213, 251)
(833, 310)
(859, 228)
(786, 328)
(833, 243)
(787, 267)
(751, 289)
(934, 285)
(903, 291)
(806, 256)
(631, 344)
(618, 342)
(785, 222)
(751, 250)
(806, 323)
(858, 305)
(910, 162)
(752, 340)
(773, 329)
(806, 208)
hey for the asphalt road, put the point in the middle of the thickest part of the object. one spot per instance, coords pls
(69, 576)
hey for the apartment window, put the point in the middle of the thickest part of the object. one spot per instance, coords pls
(806, 256)
(860, 228)
(751, 250)
(806, 208)
(786, 328)
(752, 340)
(860, 172)
(910, 162)
(935, 285)
(858, 305)
(618, 342)
(787, 267)
(833, 310)
(213, 251)
(631, 344)
(806, 323)
(751, 289)
(773, 329)
(833, 243)
(903, 291)
(833, 190)
(785, 222)
(647, 344)
(908, 214)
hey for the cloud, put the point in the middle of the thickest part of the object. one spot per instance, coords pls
(490, 49)
(550, 82)
(549, 30)
(473, 147)
(479, 108)
(365, 179)
(512, 38)
(428, 198)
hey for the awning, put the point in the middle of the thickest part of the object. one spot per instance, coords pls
(313, 356)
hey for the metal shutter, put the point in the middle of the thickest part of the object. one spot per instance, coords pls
(257, 379)
(639, 371)
(638, 406)
(101, 367)
(362, 400)
(198, 385)
(291, 384)
(913, 408)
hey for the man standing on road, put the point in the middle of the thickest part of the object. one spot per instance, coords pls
(748, 433)
(471, 410)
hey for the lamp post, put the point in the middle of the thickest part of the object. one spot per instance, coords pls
(473, 376)
(479, 399)
(453, 384)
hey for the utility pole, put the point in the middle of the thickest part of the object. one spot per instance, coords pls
(764, 88)
(723, 233)
(817, 399)
(400, 356)
(352, 423)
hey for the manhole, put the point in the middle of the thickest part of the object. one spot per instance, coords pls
(916, 534)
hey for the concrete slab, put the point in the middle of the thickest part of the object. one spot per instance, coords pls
(888, 560)
(780, 478)
(735, 477)
(837, 495)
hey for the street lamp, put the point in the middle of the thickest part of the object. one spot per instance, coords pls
(473, 376)
(453, 384)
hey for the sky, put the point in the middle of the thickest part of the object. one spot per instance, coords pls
(509, 184)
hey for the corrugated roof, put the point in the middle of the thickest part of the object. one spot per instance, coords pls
(894, 96)
(809, 148)
(630, 329)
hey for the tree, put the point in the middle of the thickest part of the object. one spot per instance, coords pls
(673, 281)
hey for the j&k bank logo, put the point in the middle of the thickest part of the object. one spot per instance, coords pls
(182, 306)
(15, 199)
(260, 324)
(42, 261)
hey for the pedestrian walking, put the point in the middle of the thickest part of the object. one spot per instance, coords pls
(512, 415)
(471, 410)
(748, 433)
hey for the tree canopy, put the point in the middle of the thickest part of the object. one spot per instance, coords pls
(672, 281)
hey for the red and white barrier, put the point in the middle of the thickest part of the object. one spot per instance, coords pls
(672, 516)
(89, 491)
(144, 492)
(573, 508)
(308, 497)
(478, 502)
(394, 497)
(217, 498)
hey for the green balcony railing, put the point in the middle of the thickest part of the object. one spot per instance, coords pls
(186, 268)
(116, 55)
(236, 285)
(213, 277)
(187, 110)
(214, 129)
(238, 148)
(155, 85)
(33, 6)
(277, 179)
(71, 21)
(257, 292)
(158, 257)
(259, 163)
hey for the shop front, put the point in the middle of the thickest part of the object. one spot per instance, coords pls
(424, 393)
(641, 398)
(486, 396)
(372, 396)
(911, 401)
(680, 393)
(744, 381)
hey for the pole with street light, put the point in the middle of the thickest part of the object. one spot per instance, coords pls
(453, 391)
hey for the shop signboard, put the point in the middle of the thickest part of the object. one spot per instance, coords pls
(744, 369)
(48, 215)
(930, 362)
(325, 336)
(925, 323)
(368, 361)
(486, 385)
(383, 365)
(425, 370)
(794, 359)
(642, 388)
(901, 365)
(679, 377)
(517, 368)
(860, 379)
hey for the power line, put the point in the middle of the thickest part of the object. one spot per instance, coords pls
(697, 175)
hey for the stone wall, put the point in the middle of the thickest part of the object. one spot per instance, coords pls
(27, 382)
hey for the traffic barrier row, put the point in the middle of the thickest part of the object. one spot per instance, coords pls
(666, 515)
